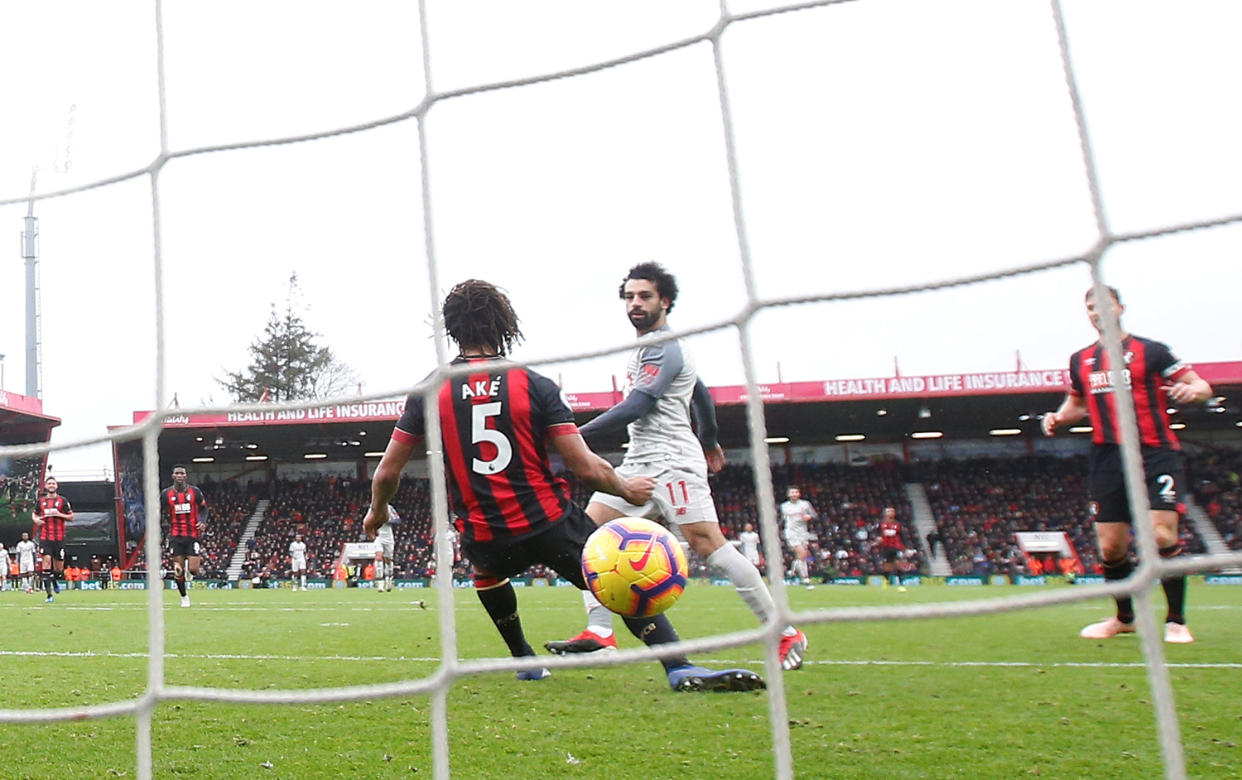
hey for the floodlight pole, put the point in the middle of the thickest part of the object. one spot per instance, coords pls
(30, 253)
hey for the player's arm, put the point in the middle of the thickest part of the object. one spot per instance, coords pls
(635, 405)
(1188, 388)
(658, 366)
(388, 478)
(703, 409)
(597, 473)
(1071, 410)
(406, 436)
(1074, 407)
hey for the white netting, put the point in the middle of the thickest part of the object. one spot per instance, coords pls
(1151, 569)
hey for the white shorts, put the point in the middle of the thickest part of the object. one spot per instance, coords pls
(753, 556)
(386, 540)
(680, 496)
(796, 537)
(296, 565)
(26, 567)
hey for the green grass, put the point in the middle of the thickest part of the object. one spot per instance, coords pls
(876, 700)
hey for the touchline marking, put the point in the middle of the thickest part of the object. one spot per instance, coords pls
(433, 659)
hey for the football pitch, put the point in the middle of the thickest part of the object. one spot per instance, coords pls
(1002, 696)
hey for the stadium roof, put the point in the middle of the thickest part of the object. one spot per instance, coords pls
(881, 409)
(22, 420)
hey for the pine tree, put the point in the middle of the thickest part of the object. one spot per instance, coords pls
(286, 363)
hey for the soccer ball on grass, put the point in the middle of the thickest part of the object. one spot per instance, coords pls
(634, 567)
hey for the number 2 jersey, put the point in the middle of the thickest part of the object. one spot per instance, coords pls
(495, 425)
(1149, 366)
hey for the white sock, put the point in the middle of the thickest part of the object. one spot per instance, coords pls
(746, 579)
(599, 617)
(303, 582)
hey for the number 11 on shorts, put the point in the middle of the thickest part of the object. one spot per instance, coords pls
(677, 490)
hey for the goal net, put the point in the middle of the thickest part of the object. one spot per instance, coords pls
(473, 147)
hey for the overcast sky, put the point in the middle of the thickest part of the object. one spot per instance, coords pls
(880, 143)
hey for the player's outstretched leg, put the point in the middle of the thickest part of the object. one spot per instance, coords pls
(748, 583)
(683, 675)
(500, 601)
(598, 634)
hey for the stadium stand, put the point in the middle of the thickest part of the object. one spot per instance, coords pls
(1216, 480)
(980, 503)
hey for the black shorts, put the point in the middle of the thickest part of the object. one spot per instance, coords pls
(54, 549)
(1106, 484)
(558, 546)
(891, 553)
(185, 546)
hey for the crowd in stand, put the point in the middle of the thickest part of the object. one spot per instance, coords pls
(978, 505)
(981, 503)
(328, 511)
(1217, 485)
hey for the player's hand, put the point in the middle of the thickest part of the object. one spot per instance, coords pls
(1049, 423)
(375, 519)
(1180, 392)
(715, 459)
(638, 490)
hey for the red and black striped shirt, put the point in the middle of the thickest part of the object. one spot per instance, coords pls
(494, 426)
(185, 508)
(1150, 365)
(53, 529)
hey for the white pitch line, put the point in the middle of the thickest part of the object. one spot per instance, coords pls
(809, 662)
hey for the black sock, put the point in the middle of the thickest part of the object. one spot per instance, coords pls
(656, 630)
(181, 587)
(1174, 589)
(501, 605)
(1119, 571)
(47, 582)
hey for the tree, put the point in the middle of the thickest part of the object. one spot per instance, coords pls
(286, 363)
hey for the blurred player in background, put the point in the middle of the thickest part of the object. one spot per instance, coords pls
(186, 509)
(26, 550)
(796, 515)
(4, 568)
(661, 387)
(50, 516)
(891, 545)
(748, 541)
(1154, 378)
(297, 561)
(384, 569)
(511, 510)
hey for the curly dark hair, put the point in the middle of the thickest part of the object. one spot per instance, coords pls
(478, 314)
(666, 284)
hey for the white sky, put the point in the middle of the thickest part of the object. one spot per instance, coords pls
(880, 143)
